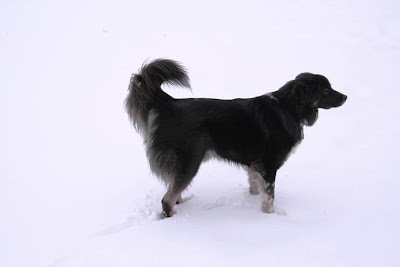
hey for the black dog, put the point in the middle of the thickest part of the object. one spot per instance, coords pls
(257, 133)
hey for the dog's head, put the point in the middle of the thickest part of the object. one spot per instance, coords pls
(316, 90)
(307, 93)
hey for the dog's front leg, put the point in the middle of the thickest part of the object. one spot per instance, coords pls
(265, 180)
(267, 191)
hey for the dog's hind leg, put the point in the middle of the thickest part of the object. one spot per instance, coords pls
(190, 165)
(168, 201)
(173, 195)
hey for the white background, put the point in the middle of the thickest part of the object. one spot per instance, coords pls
(75, 187)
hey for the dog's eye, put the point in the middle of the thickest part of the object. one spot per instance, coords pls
(326, 91)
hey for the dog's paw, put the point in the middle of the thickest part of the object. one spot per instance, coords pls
(269, 209)
(267, 206)
(165, 214)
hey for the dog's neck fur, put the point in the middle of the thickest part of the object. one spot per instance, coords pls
(303, 115)
(310, 116)
(293, 116)
(287, 116)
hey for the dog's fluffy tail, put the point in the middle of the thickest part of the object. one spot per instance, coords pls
(145, 89)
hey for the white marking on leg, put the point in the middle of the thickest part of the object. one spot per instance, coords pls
(253, 177)
(267, 201)
(170, 198)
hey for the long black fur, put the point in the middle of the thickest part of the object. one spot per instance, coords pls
(258, 133)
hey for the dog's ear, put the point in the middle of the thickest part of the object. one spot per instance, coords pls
(301, 93)
(286, 92)
(296, 92)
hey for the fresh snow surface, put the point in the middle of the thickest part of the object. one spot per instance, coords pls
(75, 186)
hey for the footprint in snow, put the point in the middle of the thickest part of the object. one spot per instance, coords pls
(221, 202)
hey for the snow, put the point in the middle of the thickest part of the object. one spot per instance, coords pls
(75, 186)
